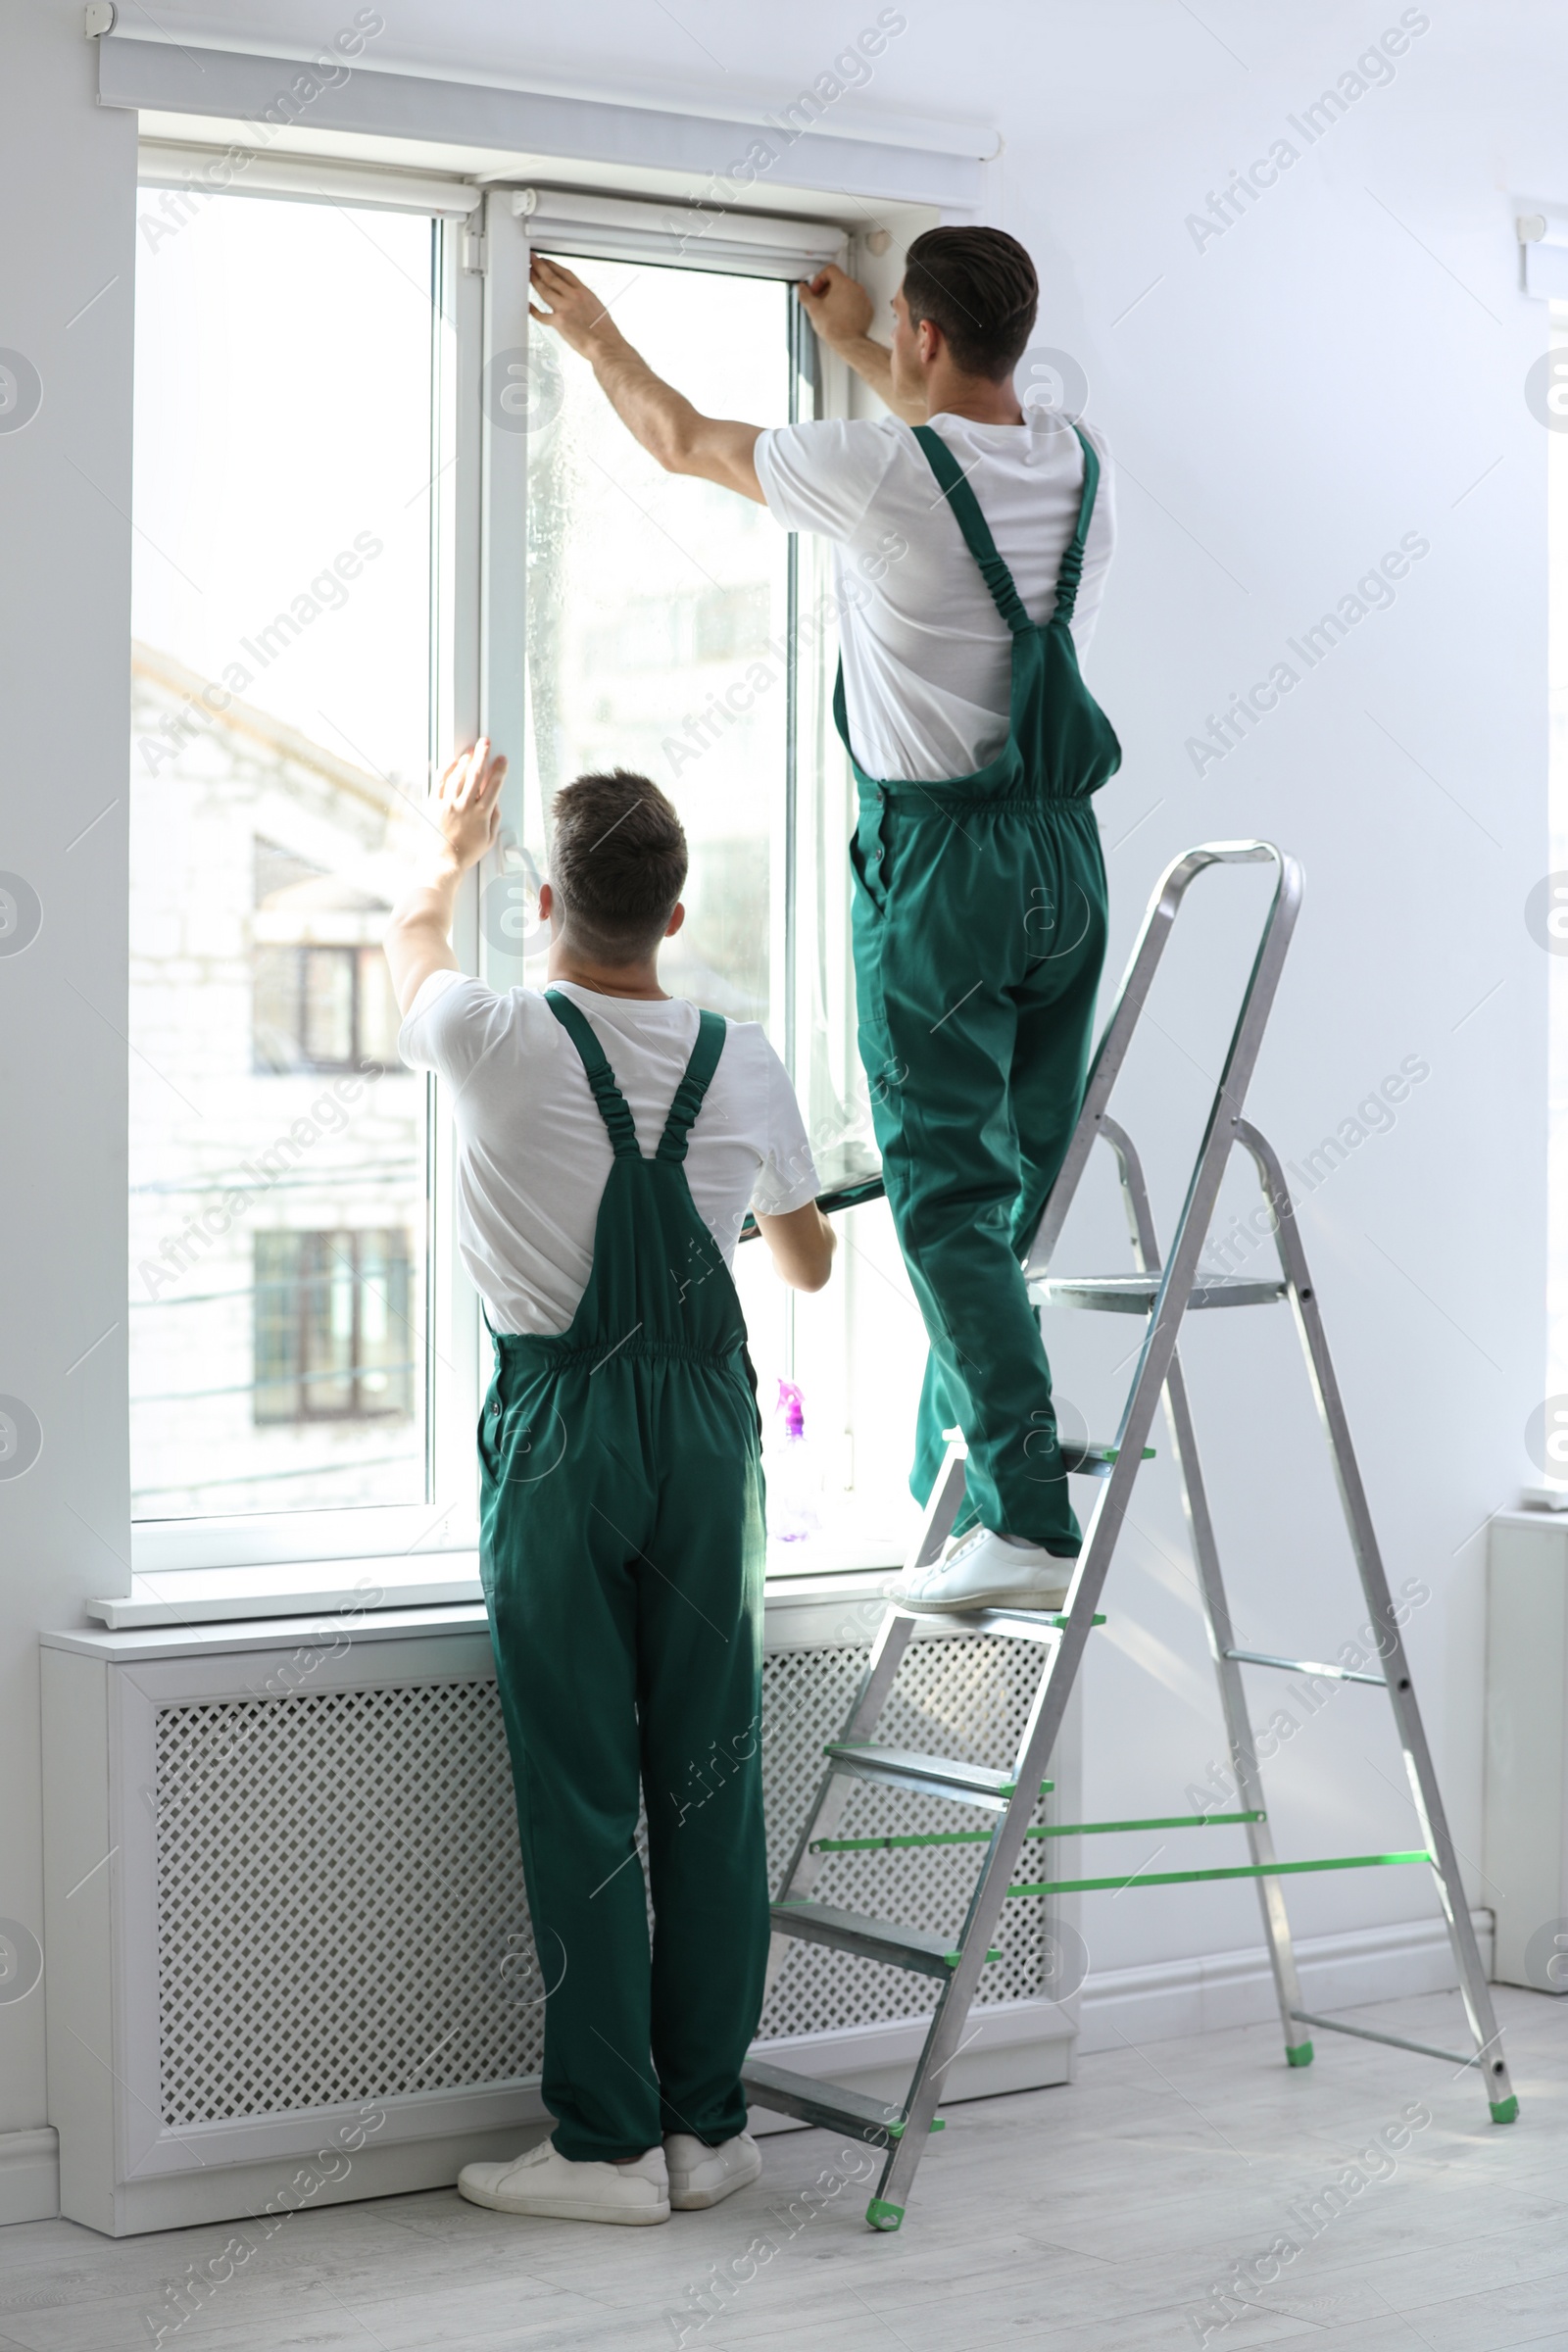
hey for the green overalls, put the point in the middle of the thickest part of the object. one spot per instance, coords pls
(979, 927)
(621, 1548)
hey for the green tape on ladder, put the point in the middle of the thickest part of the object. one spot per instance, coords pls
(1241, 1870)
(1504, 2111)
(1299, 2053)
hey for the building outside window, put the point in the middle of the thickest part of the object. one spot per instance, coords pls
(332, 1324)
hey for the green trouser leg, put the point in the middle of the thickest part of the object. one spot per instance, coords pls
(623, 1564)
(975, 1036)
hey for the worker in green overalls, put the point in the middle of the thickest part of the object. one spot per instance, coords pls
(609, 1141)
(980, 903)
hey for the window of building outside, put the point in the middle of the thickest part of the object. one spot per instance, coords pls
(287, 635)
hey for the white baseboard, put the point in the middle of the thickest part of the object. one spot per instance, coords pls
(1172, 1997)
(29, 2176)
(1013, 2045)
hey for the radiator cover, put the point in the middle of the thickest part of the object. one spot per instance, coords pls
(303, 1900)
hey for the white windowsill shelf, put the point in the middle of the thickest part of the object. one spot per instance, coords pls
(851, 1545)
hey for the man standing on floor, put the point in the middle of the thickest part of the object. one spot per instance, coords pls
(980, 904)
(609, 1139)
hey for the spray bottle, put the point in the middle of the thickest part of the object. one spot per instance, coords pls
(794, 1480)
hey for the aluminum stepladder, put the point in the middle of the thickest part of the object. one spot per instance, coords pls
(1165, 1296)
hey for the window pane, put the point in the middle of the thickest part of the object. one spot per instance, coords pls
(280, 694)
(328, 1314)
(275, 1009)
(379, 1016)
(277, 1320)
(387, 1376)
(658, 610)
(328, 1011)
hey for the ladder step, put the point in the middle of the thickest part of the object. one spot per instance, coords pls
(1135, 1293)
(1014, 1625)
(831, 2106)
(933, 1775)
(1092, 1459)
(1332, 1674)
(851, 1932)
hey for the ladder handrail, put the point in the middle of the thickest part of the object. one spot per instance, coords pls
(1425, 1788)
(1132, 994)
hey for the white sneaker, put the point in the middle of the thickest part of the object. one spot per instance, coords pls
(985, 1572)
(551, 2186)
(702, 2175)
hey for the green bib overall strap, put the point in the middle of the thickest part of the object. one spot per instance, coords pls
(955, 488)
(974, 526)
(693, 1086)
(601, 1077)
(1071, 567)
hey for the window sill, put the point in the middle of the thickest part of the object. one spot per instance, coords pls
(851, 1542)
(345, 1589)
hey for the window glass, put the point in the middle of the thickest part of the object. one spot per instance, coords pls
(281, 739)
(659, 612)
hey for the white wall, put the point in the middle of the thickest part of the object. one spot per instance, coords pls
(1345, 364)
(67, 190)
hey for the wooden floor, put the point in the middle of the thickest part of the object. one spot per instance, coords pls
(1096, 2218)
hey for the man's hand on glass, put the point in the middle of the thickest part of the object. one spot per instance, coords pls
(576, 313)
(465, 806)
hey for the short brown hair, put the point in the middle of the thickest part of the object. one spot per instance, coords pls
(618, 863)
(979, 286)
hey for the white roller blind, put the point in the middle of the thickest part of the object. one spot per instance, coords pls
(163, 163)
(560, 221)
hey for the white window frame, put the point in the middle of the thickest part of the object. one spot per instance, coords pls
(251, 1564)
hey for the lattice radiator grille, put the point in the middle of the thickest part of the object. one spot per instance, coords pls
(340, 1906)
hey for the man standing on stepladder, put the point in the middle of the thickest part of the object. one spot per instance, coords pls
(980, 908)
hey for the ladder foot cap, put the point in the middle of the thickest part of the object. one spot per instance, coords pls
(1505, 2111)
(883, 2216)
(1299, 2053)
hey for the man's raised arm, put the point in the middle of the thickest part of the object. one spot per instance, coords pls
(674, 433)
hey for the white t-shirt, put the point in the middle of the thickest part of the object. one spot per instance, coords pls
(927, 657)
(532, 1149)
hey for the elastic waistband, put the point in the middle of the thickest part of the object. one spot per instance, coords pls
(958, 795)
(552, 1354)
